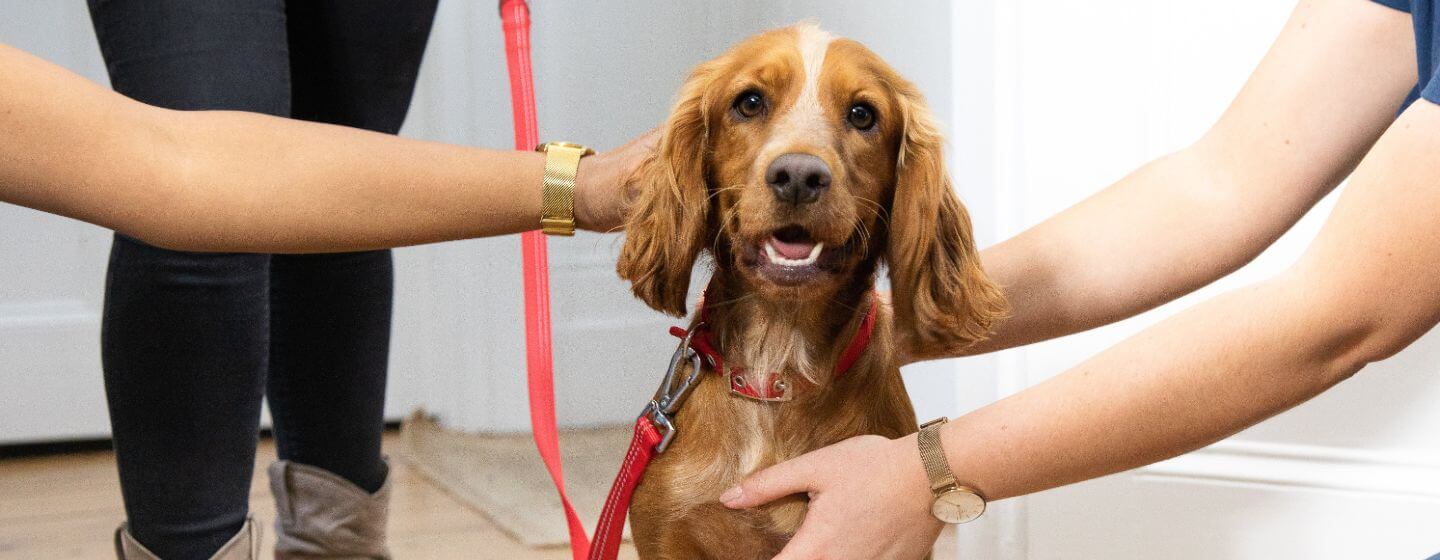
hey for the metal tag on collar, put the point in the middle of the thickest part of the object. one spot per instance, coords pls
(668, 398)
(742, 384)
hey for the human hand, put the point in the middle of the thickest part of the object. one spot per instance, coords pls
(600, 183)
(869, 498)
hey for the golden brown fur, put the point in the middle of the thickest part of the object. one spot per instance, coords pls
(890, 201)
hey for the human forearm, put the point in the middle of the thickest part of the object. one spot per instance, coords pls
(331, 188)
(1167, 229)
(1186, 383)
(225, 181)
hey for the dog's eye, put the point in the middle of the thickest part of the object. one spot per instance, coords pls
(749, 105)
(861, 116)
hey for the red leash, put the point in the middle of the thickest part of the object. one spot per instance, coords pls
(539, 359)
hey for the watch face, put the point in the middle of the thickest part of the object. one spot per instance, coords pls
(957, 506)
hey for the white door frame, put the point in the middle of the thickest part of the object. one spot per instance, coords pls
(984, 144)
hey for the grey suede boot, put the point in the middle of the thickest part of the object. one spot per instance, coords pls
(320, 515)
(245, 545)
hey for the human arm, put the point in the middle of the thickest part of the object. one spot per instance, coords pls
(1365, 289)
(1328, 87)
(242, 182)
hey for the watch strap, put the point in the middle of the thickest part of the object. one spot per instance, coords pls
(932, 455)
(557, 205)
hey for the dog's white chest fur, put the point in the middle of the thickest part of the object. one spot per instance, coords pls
(776, 344)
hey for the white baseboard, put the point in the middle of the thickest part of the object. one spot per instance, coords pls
(1404, 474)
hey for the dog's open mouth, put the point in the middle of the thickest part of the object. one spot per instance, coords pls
(790, 256)
(791, 246)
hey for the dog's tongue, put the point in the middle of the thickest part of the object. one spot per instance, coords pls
(793, 250)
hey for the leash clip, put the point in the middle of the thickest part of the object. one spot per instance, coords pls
(668, 398)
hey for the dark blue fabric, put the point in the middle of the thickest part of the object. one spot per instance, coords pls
(1427, 51)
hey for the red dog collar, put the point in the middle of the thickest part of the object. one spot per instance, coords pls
(772, 386)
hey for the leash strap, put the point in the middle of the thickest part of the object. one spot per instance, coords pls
(611, 527)
(539, 357)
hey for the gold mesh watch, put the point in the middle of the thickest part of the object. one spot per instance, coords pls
(953, 503)
(557, 203)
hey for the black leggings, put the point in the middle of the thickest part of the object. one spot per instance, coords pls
(192, 342)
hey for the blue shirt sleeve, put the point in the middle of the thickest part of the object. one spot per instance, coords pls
(1430, 91)
(1402, 5)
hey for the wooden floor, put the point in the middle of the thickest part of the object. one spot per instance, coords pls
(66, 507)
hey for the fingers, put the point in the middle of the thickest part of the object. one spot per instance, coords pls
(791, 477)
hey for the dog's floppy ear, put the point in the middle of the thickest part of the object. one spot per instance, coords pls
(943, 300)
(665, 230)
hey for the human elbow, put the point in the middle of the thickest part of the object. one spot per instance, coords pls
(1362, 336)
(1346, 353)
(1379, 343)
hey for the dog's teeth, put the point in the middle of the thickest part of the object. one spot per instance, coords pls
(814, 253)
(782, 261)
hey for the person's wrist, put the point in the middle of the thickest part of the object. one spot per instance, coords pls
(916, 497)
(585, 193)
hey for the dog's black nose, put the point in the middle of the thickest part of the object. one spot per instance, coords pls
(798, 178)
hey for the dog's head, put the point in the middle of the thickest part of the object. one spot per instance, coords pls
(801, 160)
